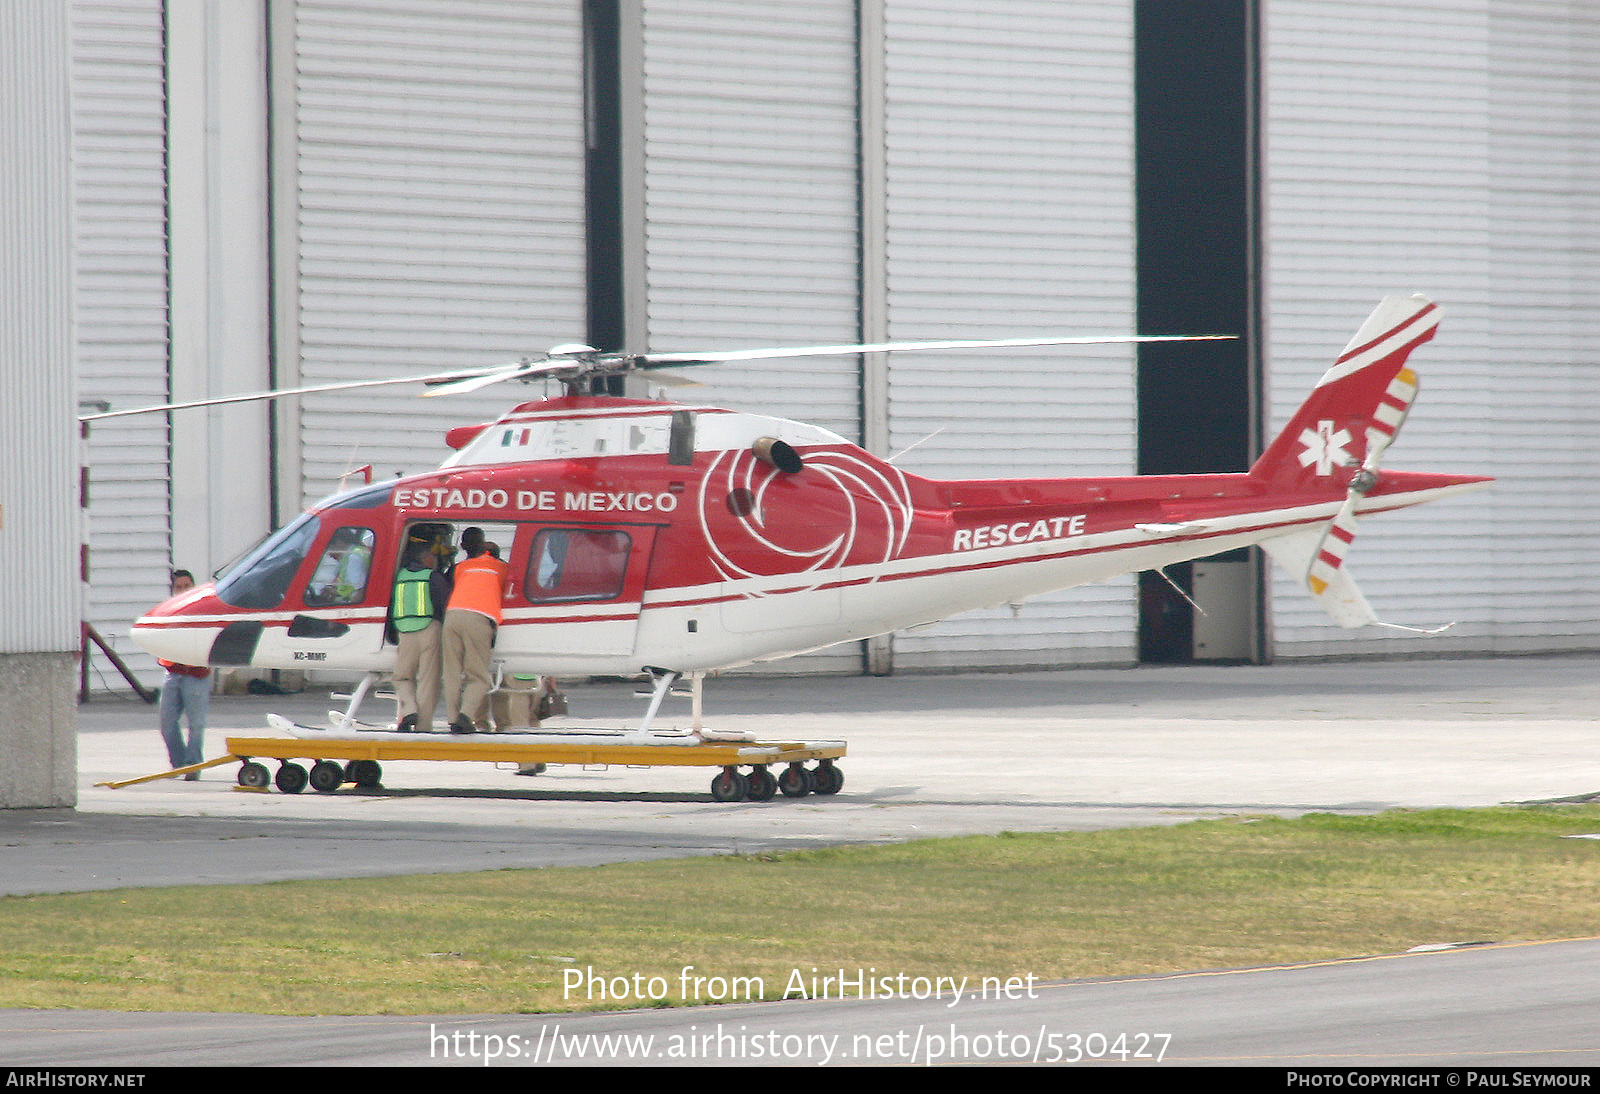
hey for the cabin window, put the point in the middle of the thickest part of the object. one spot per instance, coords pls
(576, 564)
(680, 441)
(341, 574)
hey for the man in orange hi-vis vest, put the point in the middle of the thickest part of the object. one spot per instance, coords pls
(470, 623)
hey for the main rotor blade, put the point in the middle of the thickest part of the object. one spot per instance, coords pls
(571, 362)
(565, 362)
(482, 379)
(662, 360)
(257, 396)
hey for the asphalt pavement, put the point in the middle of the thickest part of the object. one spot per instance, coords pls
(928, 756)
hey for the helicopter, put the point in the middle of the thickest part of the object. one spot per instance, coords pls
(677, 540)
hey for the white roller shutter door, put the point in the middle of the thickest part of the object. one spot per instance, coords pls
(1540, 375)
(433, 217)
(751, 196)
(1010, 212)
(751, 239)
(1448, 149)
(119, 145)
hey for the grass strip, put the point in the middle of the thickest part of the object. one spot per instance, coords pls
(1209, 894)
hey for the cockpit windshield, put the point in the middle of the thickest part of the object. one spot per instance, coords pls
(262, 579)
(364, 497)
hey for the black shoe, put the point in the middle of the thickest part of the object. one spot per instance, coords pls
(462, 725)
(408, 724)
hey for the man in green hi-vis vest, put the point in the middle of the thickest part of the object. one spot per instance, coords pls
(420, 595)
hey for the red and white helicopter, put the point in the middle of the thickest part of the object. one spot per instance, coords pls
(679, 540)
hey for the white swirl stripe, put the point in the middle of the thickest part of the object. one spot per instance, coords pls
(875, 506)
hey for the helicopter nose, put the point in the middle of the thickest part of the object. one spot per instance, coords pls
(181, 629)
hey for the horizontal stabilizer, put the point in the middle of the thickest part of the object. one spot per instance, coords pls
(1188, 527)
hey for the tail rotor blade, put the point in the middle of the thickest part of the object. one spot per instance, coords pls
(1389, 416)
(1329, 556)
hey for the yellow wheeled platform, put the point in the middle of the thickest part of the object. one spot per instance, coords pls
(361, 760)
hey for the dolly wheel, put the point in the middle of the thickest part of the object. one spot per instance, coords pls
(326, 776)
(254, 775)
(762, 785)
(728, 786)
(829, 779)
(364, 773)
(795, 782)
(291, 778)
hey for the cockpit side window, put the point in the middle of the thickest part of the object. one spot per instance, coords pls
(262, 579)
(341, 574)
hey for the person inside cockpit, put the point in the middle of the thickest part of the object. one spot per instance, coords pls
(341, 574)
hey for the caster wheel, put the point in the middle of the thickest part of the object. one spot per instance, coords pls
(254, 775)
(829, 779)
(795, 782)
(762, 785)
(364, 773)
(326, 776)
(291, 778)
(728, 786)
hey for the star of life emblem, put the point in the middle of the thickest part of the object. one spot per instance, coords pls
(1325, 447)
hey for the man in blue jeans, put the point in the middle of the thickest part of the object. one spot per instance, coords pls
(185, 691)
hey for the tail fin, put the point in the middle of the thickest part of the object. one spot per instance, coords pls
(1336, 440)
(1359, 404)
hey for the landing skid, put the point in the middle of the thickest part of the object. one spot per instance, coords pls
(345, 730)
(348, 721)
(662, 681)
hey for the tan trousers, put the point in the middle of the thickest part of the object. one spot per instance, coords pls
(516, 704)
(417, 664)
(468, 643)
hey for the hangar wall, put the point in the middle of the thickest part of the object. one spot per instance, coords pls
(1448, 148)
(1010, 211)
(423, 209)
(121, 255)
(428, 211)
(968, 171)
(39, 515)
(1003, 205)
(216, 180)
